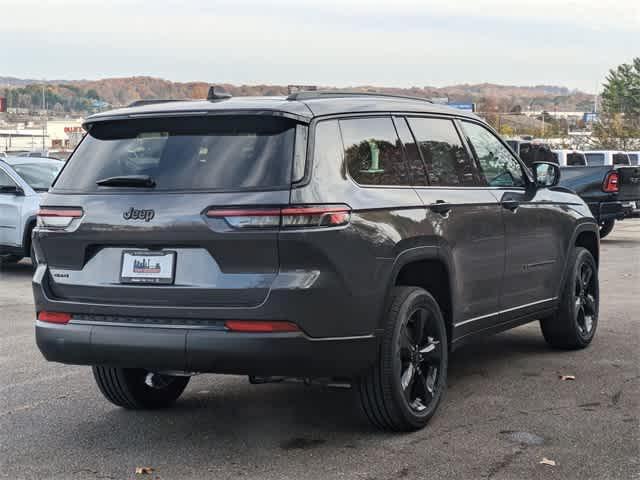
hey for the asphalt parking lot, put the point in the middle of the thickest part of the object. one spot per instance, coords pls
(506, 409)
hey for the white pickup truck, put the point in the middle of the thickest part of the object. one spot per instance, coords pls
(23, 180)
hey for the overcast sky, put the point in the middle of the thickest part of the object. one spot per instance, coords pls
(326, 42)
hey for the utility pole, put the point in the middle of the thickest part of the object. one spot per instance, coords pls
(44, 122)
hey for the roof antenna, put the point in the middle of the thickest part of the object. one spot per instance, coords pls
(217, 93)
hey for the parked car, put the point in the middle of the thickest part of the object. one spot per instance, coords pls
(22, 181)
(334, 237)
(606, 157)
(570, 158)
(3, 155)
(610, 191)
(531, 151)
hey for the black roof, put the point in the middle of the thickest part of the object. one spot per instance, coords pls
(303, 107)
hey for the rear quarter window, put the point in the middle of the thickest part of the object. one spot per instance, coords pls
(201, 153)
(373, 152)
(620, 159)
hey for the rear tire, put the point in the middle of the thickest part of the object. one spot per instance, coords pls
(606, 228)
(574, 325)
(402, 390)
(127, 387)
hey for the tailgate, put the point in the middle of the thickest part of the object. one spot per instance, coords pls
(629, 182)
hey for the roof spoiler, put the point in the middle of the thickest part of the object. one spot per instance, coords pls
(217, 93)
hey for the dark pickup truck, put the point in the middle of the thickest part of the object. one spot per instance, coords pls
(612, 192)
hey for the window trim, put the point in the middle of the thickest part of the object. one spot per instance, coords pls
(527, 175)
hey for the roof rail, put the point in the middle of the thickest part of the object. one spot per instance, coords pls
(308, 95)
(142, 103)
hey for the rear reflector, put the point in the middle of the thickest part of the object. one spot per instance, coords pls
(611, 183)
(57, 218)
(288, 217)
(54, 317)
(253, 326)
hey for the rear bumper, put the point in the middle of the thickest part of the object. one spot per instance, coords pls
(205, 350)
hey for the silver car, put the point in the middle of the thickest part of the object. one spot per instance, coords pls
(22, 182)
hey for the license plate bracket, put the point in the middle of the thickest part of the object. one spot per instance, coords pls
(148, 267)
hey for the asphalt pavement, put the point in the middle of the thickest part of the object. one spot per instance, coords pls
(505, 411)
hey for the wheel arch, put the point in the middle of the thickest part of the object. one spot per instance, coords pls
(426, 267)
(29, 225)
(586, 236)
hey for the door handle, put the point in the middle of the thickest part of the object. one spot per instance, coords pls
(511, 205)
(440, 207)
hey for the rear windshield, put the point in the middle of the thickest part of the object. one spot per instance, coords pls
(595, 158)
(576, 159)
(620, 159)
(181, 153)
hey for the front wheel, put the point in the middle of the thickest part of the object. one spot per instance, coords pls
(574, 325)
(606, 228)
(402, 390)
(136, 388)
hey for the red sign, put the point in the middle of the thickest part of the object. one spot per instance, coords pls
(3, 104)
(73, 130)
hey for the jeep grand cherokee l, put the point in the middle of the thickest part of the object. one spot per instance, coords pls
(349, 237)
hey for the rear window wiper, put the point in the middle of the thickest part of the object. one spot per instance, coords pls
(144, 181)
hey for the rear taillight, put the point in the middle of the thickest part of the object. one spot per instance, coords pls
(54, 317)
(287, 217)
(611, 183)
(57, 218)
(255, 326)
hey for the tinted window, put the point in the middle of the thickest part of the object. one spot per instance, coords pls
(499, 167)
(205, 153)
(620, 159)
(417, 171)
(444, 155)
(576, 159)
(595, 158)
(6, 181)
(39, 176)
(373, 152)
(633, 158)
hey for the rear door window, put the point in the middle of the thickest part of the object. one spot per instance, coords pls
(189, 153)
(594, 159)
(373, 152)
(633, 158)
(447, 161)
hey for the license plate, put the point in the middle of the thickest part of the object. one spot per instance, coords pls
(147, 267)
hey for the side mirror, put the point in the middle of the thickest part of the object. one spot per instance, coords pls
(546, 174)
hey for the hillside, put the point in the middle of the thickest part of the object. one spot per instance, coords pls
(82, 95)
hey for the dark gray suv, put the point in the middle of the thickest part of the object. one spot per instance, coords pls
(326, 236)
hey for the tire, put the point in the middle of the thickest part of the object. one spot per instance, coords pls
(394, 395)
(606, 228)
(127, 387)
(574, 324)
